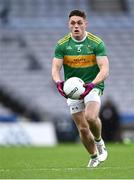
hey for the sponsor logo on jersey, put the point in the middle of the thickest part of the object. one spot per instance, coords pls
(80, 61)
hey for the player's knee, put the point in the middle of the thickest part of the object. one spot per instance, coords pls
(90, 117)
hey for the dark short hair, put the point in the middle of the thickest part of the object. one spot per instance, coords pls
(77, 13)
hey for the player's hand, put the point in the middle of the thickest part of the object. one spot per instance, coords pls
(59, 85)
(88, 88)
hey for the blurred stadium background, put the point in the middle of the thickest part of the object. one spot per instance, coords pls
(31, 110)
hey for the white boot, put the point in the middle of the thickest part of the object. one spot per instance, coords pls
(93, 162)
(102, 151)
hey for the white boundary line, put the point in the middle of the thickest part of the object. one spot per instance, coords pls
(68, 169)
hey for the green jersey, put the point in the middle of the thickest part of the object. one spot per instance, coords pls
(79, 57)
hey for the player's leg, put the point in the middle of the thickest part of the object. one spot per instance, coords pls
(87, 138)
(84, 132)
(92, 116)
(77, 111)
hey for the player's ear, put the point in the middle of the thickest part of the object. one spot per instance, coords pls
(68, 24)
(86, 23)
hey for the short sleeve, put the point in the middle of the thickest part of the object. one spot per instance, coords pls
(101, 50)
(59, 52)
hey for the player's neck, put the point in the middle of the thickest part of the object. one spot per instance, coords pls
(80, 39)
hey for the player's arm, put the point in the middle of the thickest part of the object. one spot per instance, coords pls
(56, 67)
(103, 64)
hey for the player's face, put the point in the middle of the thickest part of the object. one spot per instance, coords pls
(77, 26)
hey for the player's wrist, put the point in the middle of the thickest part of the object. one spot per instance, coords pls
(92, 85)
(58, 82)
(59, 85)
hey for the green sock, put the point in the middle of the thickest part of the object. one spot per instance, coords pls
(98, 140)
(93, 156)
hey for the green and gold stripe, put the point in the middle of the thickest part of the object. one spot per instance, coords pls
(64, 39)
(80, 61)
(93, 38)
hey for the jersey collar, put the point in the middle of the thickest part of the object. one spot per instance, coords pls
(80, 40)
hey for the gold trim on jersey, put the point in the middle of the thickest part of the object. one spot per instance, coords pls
(93, 37)
(80, 61)
(64, 39)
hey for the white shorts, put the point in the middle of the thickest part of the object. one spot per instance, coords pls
(79, 105)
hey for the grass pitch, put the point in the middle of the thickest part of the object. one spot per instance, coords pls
(65, 162)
